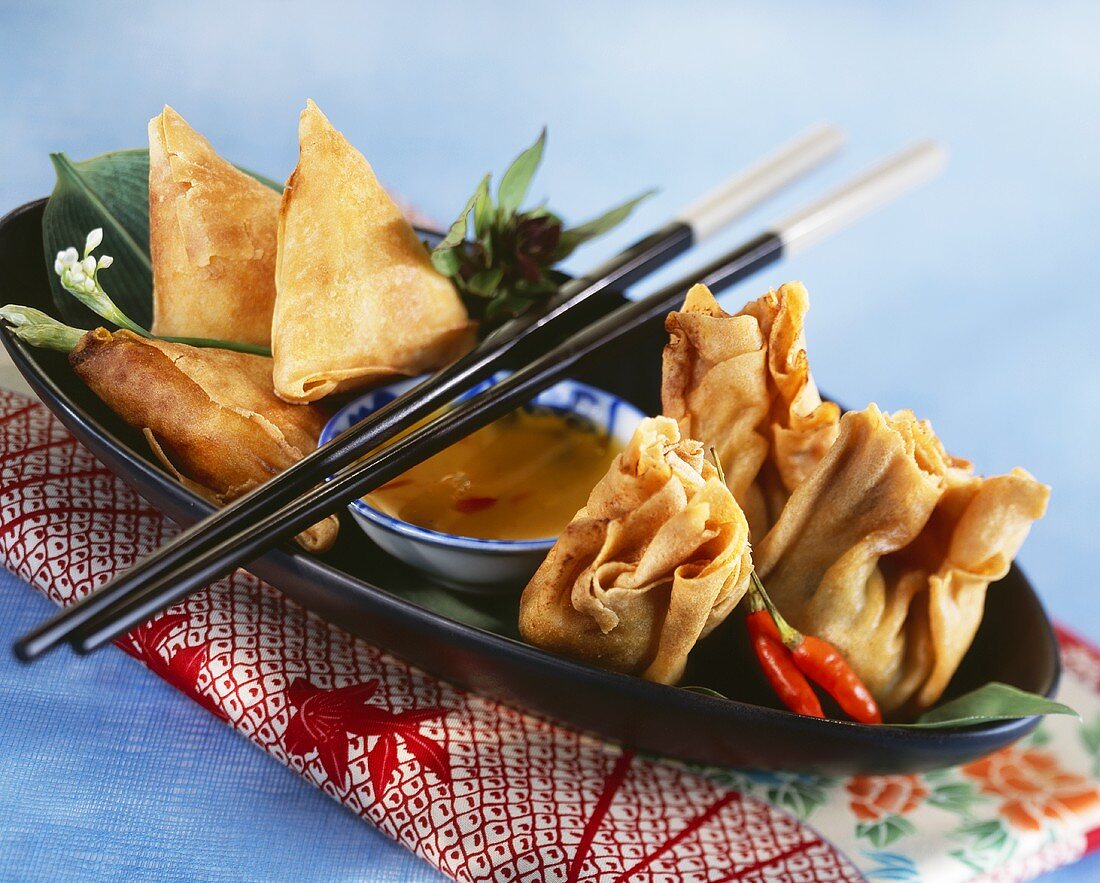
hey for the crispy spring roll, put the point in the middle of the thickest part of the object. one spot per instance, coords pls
(358, 298)
(211, 239)
(209, 415)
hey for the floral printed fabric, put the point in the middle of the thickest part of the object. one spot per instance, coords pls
(484, 792)
(1015, 814)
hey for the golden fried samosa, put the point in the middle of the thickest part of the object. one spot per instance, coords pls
(886, 549)
(657, 558)
(211, 239)
(210, 415)
(742, 385)
(358, 298)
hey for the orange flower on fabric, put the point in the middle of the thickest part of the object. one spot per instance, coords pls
(876, 797)
(1033, 786)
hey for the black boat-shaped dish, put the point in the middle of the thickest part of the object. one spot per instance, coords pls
(473, 643)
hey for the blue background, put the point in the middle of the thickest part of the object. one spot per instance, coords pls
(973, 301)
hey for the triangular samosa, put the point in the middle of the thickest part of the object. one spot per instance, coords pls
(358, 298)
(211, 239)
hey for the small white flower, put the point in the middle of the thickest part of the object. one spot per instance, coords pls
(105, 261)
(68, 256)
(93, 240)
(75, 275)
(89, 265)
(58, 267)
(89, 286)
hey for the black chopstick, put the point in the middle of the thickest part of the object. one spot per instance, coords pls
(560, 316)
(816, 221)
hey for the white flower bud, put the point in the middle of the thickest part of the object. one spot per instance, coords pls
(68, 256)
(89, 286)
(58, 267)
(89, 265)
(93, 240)
(75, 275)
(105, 261)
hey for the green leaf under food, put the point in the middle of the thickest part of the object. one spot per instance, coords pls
(109, 191)
(263, 179)
(993, 702)
(575, 236)
(517, 180)
(705, 691)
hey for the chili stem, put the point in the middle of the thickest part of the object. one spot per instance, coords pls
(717, 464)
(790, 636)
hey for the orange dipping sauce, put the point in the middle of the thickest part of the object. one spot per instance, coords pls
(522, 477)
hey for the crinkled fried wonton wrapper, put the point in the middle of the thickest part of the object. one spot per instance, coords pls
(886, 550)
(358, 298)
(210, 415)
(742, 384)
(654, 562)
(211, 239)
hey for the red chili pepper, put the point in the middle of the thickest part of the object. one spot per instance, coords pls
(779, 668)
(815, 658)
(788, 657)
(823, 664)
(761, 622)
(474, 504)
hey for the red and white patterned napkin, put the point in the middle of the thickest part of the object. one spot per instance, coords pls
(485, 792)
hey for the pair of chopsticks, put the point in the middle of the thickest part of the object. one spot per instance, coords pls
(300, 496)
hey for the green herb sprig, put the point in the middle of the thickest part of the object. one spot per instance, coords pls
(508, 264)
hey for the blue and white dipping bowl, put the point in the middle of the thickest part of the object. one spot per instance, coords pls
(467, 563)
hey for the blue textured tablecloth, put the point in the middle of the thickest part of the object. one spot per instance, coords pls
(974, 301)
(108, 773)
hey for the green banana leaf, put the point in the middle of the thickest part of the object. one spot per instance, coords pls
(991, 702)
(109, 191)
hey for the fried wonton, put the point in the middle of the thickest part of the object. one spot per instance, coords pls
(886, 549)
(211, 239)
(210, 415)
(655, 561)
(742, 384)
(358, 298)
